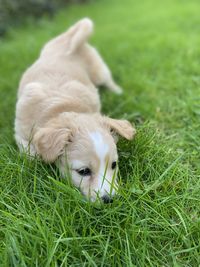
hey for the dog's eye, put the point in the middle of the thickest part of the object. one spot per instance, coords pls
(84, 172)
(114, 164)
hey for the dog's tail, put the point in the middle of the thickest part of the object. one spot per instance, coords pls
(69, 41)
(79, 34)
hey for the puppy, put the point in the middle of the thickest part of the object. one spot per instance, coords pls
(58, 113)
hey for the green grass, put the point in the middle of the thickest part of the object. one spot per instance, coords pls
(153, 49)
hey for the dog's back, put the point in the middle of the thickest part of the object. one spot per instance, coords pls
(61, 59)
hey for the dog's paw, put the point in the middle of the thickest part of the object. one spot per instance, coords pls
(117, 90)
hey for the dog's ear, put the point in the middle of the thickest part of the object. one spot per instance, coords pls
(50, 142)
(121, 127)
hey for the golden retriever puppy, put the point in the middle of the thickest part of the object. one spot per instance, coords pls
(58, 113)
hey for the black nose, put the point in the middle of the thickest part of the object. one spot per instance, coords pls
(107, 199)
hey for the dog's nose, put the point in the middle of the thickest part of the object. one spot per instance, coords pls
(106, 199)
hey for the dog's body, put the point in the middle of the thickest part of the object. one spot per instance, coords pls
(58, 111)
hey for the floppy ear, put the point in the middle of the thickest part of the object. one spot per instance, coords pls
(50, 142)
(121, 127)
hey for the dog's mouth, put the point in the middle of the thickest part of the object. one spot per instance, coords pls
(106, 197)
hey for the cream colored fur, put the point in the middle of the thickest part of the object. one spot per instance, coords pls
(58, 111)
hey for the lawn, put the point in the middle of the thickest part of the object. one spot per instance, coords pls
(153, 49)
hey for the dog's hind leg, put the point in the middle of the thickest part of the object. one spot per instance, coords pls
(98, 70)
(70, 41)
(110, 83)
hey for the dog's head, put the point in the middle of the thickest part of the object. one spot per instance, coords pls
(85, 145)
